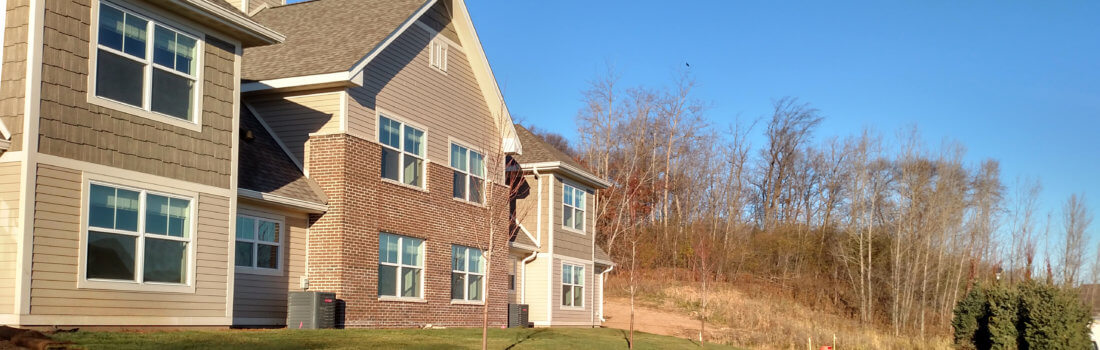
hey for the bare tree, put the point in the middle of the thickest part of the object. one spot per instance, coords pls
(1076, 219)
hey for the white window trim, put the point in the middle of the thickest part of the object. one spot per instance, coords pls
(438, 50)
(584, 270)
(146, 112)
(192, 242)
(400, 265)
(401, 152)
(485, 170)
(565, 206)
(465, 291)
(253, 270)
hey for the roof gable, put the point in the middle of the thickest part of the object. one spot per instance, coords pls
(266, 168)
(326, 36)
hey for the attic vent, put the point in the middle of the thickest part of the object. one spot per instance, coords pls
(439, 55)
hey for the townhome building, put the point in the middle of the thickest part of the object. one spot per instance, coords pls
(559, 267)
(193, 162)
(118, 179)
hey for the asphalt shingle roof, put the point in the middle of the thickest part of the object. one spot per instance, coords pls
(535, 150)
(265, 167)
(323, 36)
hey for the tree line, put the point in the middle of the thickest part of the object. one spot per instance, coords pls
(891, 230)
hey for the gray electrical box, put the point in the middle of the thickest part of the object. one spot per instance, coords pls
(311, 310)
(517, 315)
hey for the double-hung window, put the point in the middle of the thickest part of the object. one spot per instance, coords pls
(469, 175)
(400, 266)
(467, 274)
(573, 208)
(145, 64)
(258, 243)
(402, 152)
(137, 236)
(572, 285)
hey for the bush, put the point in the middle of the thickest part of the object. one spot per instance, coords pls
(1027, 316)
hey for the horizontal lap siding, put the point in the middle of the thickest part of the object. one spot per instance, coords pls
(72, 127)
(401, 82)
(569, 242)
(9, 224)
(263, 296)
(56, 249)
(12, 79)
(572, 315)
(293, 118)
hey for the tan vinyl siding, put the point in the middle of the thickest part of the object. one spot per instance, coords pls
(568, 314)
(400, 81)
(56, 249)
(253, 5)
(9, 225)
(265, 296)
(439, 19)
(12, 79)
(568, 242)
(294, 117)
(73, 128)
(536, 293)
(527, 210)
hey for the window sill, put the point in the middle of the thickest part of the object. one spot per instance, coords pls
(466, 302)
(573, 230)
(402, 299)
(134, 286)
(402, 184)
(476, 204)
(125, 108)
(572, 308)
(258, 271)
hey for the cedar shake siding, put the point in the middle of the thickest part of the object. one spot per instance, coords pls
(343, 242)
(12, 83)
(71, 127)
(55, 262)
(9, 229)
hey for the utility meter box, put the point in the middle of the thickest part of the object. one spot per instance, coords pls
(311, 310)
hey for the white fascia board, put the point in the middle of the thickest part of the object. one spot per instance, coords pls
(310, 207)
(583, 175)
(235, 19)
(305, 80)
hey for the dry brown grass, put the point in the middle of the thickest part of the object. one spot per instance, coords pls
(760, 317)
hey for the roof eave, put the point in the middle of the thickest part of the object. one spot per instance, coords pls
(303, 205)
(584, 176)
(249, 32)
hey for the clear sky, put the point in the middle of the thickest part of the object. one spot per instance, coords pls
(1012, 80)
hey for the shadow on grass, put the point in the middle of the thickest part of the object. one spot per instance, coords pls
(526, 337)
(626, 337)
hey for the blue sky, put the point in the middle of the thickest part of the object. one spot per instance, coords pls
(1015, 81)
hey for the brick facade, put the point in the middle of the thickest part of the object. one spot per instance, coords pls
(343, 242)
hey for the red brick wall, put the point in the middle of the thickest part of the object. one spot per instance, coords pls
(343, 243)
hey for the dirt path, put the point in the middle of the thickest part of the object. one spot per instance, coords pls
(649, 320)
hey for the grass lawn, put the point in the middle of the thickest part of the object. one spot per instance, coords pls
(455, 338)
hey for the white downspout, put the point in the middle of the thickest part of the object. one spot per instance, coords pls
(523, 282)
(603, 282)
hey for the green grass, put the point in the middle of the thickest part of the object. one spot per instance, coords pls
(454, 338)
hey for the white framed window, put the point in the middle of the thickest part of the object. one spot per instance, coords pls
(259, 244)
(467, 274)
(572, 208)
(402, 152)
(400, 266)
(136, 239)
(572, 285)
(469, 174)
(438, 56)
(142, 63)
